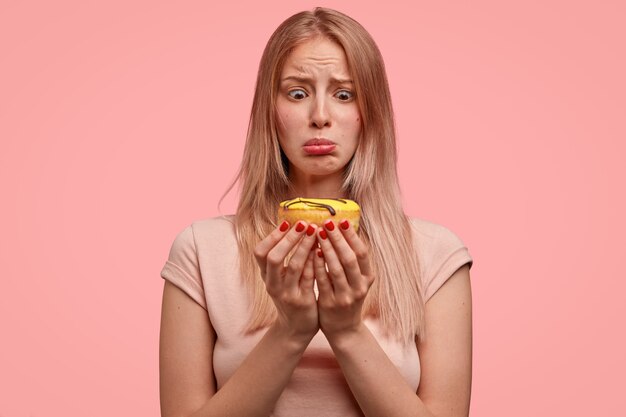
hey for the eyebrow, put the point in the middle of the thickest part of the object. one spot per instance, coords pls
(333, 80)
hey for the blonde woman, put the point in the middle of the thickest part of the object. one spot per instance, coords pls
(374, 323)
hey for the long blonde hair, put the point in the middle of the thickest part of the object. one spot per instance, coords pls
(370, 178)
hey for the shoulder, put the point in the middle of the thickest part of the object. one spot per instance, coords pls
(201, 232)
(434, 236)
(440, 252)
(221, 226)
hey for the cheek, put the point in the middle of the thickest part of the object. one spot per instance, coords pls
(353, 118)
(355, 123)
(286, 121)
(280, 119)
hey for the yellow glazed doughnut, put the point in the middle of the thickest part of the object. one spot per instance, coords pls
(318, 210)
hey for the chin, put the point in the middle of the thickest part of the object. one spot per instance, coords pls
(322, 169)
(319, 166)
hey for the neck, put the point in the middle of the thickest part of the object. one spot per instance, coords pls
(311, 186)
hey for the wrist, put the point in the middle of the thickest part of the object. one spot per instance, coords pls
(294, 341)
(346, 339)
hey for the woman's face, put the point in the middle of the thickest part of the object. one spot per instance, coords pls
(317, 115)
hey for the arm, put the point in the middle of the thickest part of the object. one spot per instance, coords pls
(186, 367)
(187, 338)
(445, 357)
(374, 380)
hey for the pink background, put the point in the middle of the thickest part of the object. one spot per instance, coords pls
(121, 123)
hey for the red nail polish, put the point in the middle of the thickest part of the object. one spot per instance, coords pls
(284, 226)
(299, 227)
(323, 234)
(344, 225)
(310, 230)
(320, 254)
(329, 225)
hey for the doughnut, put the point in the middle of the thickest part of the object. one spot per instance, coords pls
(318, 210)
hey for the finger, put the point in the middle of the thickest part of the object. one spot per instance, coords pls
(298, 260)
(308, 274)
(358, 247)
(263, 247)
(335, 269)
(276, 256)
(346, 255)
(324, 285)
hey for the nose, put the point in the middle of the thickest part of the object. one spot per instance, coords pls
(320, 116)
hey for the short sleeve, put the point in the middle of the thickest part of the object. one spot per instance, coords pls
(443, 253)
(182, 267)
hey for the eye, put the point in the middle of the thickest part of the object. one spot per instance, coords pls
(345, 95)
(299, 94)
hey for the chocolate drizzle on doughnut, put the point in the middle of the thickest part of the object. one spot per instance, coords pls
(315, 204)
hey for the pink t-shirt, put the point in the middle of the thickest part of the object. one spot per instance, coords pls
(203, 262)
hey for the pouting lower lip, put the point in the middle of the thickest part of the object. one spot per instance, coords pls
(319, 149)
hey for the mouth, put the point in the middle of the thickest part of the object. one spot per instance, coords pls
(319, 146)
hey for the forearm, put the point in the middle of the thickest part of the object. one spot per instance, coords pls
(257, 384)
(375, 382)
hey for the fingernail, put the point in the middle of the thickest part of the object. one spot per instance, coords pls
(284, 226)
(310, 230)
(329, 225)
(344, 224)
(320, 254)
(299, 227)
(323, 234)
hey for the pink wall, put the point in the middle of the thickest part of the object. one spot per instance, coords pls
(122, 123)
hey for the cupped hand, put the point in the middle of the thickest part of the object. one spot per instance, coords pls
(291, 285)
(343, 288)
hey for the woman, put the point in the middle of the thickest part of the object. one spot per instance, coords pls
(344, 328)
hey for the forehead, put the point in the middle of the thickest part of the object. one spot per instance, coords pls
(317, 54)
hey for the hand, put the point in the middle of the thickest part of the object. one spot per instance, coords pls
(291, 286)
(344, 287)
